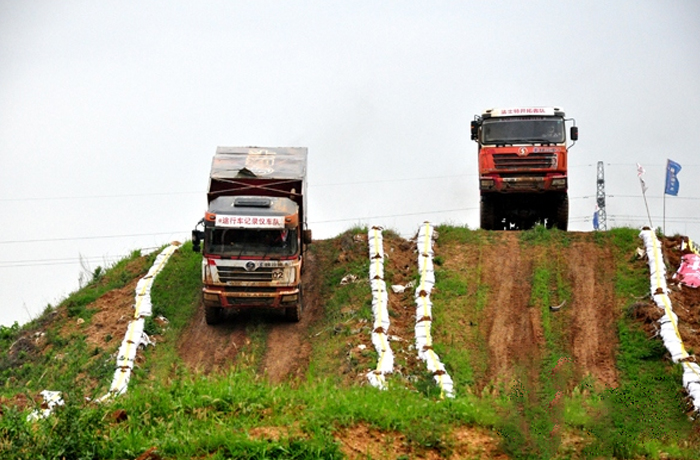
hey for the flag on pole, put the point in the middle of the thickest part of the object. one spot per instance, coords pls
(672, 184)
(640, 173)
(596, 221)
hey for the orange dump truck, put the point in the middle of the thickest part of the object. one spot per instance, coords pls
(523, 177)
(254, 236)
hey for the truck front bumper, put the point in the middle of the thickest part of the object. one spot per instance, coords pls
(522, 184)
(231, 298)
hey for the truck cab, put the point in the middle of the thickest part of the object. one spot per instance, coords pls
(522, 158)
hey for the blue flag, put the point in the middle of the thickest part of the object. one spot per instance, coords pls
(672, 185)
(596, 223)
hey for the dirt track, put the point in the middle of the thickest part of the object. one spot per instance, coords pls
(287, 348)
(513, 331)
(592, 312)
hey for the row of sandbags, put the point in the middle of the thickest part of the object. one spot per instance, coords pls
(133, 338)
(380, 310)
(668, 323)
(424, 316)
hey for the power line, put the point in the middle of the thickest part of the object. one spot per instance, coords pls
(391, 215)
(102, 237)
(66, 261)
(378, 181)
(203, 193)
(87, 197)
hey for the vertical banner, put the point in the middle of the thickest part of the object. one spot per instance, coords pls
(672, 184)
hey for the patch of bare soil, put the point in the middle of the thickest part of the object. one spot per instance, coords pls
(362, 441)
(114, 310)
(685, 299)
(593, 337)
(513, 330)
(206, 348)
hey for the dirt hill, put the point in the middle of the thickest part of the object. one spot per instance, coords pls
(525, 318)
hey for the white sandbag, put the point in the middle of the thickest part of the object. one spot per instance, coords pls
(691, 374)
(376, 270)
(376, 379)
(375, 243)
(673, 319)
(424, 288)
(445, 383)
(377, 285)
(120, 381)
(143, 307)
(424, 307)
(52, 399)
(425, 264)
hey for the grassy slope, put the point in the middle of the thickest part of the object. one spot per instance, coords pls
(240, 415)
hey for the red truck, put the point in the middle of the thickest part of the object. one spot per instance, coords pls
(254, 233)
(523, 167)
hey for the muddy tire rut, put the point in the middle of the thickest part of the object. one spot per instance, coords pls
(513, 330)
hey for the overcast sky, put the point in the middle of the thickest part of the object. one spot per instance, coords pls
(110, 113)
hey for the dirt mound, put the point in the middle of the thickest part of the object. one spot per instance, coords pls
(511, 328)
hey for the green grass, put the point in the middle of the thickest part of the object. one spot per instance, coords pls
(197, 416)
(645, 414)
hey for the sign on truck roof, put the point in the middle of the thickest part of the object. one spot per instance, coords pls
(262, 162)
(523, 111)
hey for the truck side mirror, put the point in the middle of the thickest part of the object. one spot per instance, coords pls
(574, 133)
(197, 238)
(307, 236)
(475, 130)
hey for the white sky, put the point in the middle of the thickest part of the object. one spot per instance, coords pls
(110, 113)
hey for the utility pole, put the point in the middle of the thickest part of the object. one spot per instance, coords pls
(600, 198)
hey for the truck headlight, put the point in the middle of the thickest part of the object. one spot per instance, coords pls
(486, 183)
(559, 182)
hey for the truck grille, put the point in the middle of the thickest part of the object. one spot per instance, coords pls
(227, 274)
(511, 161)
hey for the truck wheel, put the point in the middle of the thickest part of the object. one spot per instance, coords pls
(563, 213)
(213, 315)
(488, 214)
(293, 314)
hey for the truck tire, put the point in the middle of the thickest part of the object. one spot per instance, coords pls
(213, 315)
(488, 214)
(293, 314)
(563, 213)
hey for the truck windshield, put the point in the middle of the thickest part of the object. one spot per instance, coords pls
(523, 130)
(234, 242)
